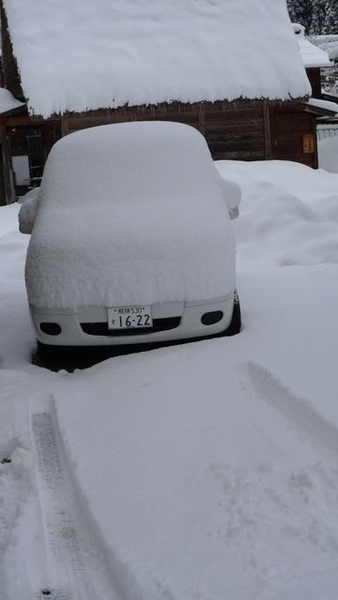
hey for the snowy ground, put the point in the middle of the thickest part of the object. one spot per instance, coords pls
(205, 471)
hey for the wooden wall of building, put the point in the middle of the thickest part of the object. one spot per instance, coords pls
(235, 131)
(293, 136)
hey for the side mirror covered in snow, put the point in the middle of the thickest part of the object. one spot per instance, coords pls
(232, 196)
(28, 210)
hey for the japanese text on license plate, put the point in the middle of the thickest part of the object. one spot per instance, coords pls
(129, 317)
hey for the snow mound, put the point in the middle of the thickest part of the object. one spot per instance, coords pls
(284, 214)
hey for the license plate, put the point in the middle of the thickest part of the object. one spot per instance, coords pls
(129, 317)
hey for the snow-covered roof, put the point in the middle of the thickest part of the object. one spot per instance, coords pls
(90, 55)
(312, 55)
(329, 43)
(325, 105)
(8, 102)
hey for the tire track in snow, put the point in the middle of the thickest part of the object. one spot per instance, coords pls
(295, 409)
(70, 550)
(282, 514)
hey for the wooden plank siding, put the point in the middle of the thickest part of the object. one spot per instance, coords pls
(241, 130)
(233, 133)
(5, 159)
(288, 130)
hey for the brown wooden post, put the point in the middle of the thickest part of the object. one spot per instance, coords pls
(267, 131)
(315, 154)
(64, 126)
(6, 193)
(201, 119)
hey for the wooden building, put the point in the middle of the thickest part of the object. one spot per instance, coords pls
(265, 119)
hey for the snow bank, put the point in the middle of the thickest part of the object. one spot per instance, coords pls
(205, 470)
(209, 488)
(110, 54)
(293, 210)
(16, 342)
(125, 218)
(29, 210)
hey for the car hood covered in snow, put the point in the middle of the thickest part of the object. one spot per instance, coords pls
(130, 213)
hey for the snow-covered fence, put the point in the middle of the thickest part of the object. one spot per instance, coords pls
(326, 129)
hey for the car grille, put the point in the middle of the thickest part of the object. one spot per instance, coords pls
(158, 325)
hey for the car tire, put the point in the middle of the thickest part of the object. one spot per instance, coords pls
(70, 357)
(46, 352)
(236, 321)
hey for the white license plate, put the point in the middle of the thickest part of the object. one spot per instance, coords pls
(129, 317)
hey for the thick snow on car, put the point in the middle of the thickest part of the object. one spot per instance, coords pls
(131, 239)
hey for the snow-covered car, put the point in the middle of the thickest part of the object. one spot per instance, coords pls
(131, 239)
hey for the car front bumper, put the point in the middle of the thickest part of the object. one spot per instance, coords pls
(88, 326)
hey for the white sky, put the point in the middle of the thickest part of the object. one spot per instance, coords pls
(101, 54)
